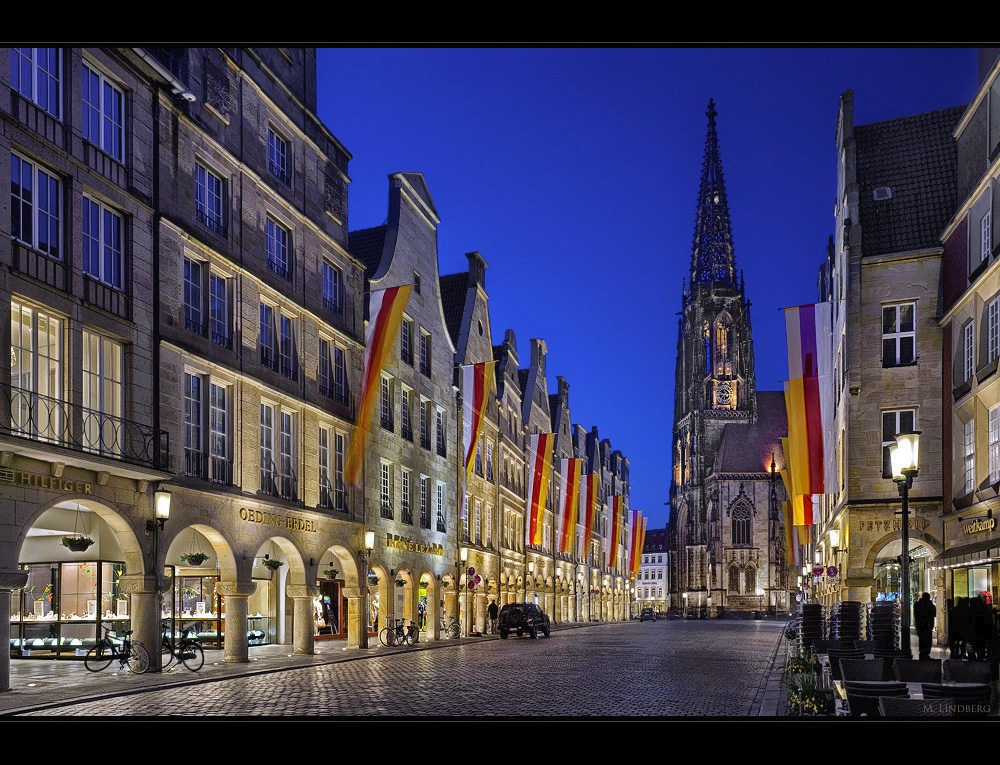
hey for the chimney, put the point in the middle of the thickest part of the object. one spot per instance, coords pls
(477, 269)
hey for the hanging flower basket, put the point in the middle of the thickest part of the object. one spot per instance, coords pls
(274, 565)
(423, 584)
(194, 559)
(77, 544)
(445, 584)
(372, 579)
(331, 573)
(400, 582)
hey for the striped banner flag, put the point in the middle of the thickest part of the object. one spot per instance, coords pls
(633, 557)
(792, 552)
(616, 528)
(809, 397)
(569, 502)
(477, 385)
(588, 507)
(539, 472)
(385, 309)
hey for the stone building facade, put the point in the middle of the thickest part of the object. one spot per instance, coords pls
(188, 315)
(896, 187)
(653, 580)
(724, 523)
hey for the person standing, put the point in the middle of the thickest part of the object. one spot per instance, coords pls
(494, 612)
(924, 613)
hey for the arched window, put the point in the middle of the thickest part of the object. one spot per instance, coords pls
(750, 581)
(734, 579)
(742, 532)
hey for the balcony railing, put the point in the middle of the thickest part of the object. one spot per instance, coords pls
(333, 306)
(223, 339)
(281, 268)
(275, 484)
(193, 325)
(269, 358)
(406, 515)
(328, 498)
(29, 415)
(211, 222)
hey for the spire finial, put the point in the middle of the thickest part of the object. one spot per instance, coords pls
(711, 112)
(712, 259)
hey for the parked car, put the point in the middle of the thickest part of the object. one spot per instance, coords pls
(522, 618)
(647, 613)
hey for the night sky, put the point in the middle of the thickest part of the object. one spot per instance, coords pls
(575, 173)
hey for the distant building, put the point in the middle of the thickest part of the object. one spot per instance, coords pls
(652, 585)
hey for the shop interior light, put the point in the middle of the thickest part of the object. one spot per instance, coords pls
(835, 539)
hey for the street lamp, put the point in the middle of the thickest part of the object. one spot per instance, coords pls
(365, 554)
(463, 555)
(904, 469)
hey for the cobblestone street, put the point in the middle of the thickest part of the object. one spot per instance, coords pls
(665, 668)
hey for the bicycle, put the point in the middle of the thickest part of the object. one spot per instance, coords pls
(450, 629)
(131, 654)
(412, 634)
(186, 651)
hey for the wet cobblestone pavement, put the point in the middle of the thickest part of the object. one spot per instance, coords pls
(666, 668)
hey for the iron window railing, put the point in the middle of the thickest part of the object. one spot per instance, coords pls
(275, 484)
(29, 415)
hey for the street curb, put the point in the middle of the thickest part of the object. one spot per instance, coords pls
(768, 699)
(184, 683)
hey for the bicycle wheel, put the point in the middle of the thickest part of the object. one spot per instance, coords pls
(411, 637)
(193, 656)
(386, 636)
(99, 657)
(138, 658)
(166, 655)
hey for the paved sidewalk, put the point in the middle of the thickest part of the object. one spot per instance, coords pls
(41, 683)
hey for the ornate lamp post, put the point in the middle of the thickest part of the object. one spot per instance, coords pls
(365, 556)
(904, 469)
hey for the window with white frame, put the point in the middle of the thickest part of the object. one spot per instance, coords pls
(425, 416)
(218, 309)
(340, 374)
(278, 156)
(194, 462)
(489, 526)
(406, 341)
(968, 353)
(385, 489)
(287, 356)
(36, 372)
(268, 337)
(425, 490)
(268, 472)
(406, 501)
(333, 279)
(386, 404)
(898, 334)
(103, 243)
(994, 444)
(894, 422)
(489, 460)
(993, 329)
(278, 257)
(970, 456)
(407, 427)
(984, 236)
(325, 372)
(35, 207)
(103, 393)
(478, 522)
(35, 73)
(287, 484)
(193, 319)
(440, 508)
(339, 489)
(425, 353)
(325, 485)
(208, 195)
(442, 435)
(220, 467)
(103, 118)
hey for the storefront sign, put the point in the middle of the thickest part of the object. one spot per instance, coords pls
(983, 524)
(892, 525)
(289, 522)
(398, 543)
(39, 481)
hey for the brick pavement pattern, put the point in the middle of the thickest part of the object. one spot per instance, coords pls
(666, 668)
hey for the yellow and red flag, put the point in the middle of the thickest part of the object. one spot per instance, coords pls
(616, 528)
(477, 385)
(634, 543)
(539, 472)
(569, 502)
(588, 506)
(386, 314)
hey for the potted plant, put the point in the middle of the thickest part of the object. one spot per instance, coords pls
(77, 543)
(331, 573)
(445, 583)
(400, 582)
(194, 558)
(372, 579)
(274, 565)
(423, 584)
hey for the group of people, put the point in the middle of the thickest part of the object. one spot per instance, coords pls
(973, 628)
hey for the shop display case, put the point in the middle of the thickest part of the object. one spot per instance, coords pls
(192, 605)
(61, 609)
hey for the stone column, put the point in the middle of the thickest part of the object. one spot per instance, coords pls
(302, 614)
(144, 613)
(355, 609)
(9, 581)
(433, 623)
(235, 625)
(480, 611)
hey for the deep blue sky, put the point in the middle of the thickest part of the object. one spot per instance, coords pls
(575, 172)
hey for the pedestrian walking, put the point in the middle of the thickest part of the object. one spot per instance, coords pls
(494, 614)
(924, 614)
(964, 628)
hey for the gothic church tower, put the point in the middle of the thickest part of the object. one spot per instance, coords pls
(715, 384)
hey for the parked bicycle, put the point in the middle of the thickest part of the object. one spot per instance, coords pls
(397, 633)
(450, 629)
(111, 647)
(186, 650)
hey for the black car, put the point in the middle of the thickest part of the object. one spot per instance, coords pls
(523, 618)
(647, 613)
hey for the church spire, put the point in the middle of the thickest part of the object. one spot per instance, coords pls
(712, 258)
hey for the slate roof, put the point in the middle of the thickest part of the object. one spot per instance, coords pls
(522, 379)
(366, 245)
(916, 157)
(453, 291)
(748, 448)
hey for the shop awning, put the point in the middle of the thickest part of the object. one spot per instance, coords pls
(967, 554)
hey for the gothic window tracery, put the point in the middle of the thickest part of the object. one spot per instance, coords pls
(742, 528)
(750, 581)
(734, 579)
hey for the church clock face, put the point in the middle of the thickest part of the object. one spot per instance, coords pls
(724, 395)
